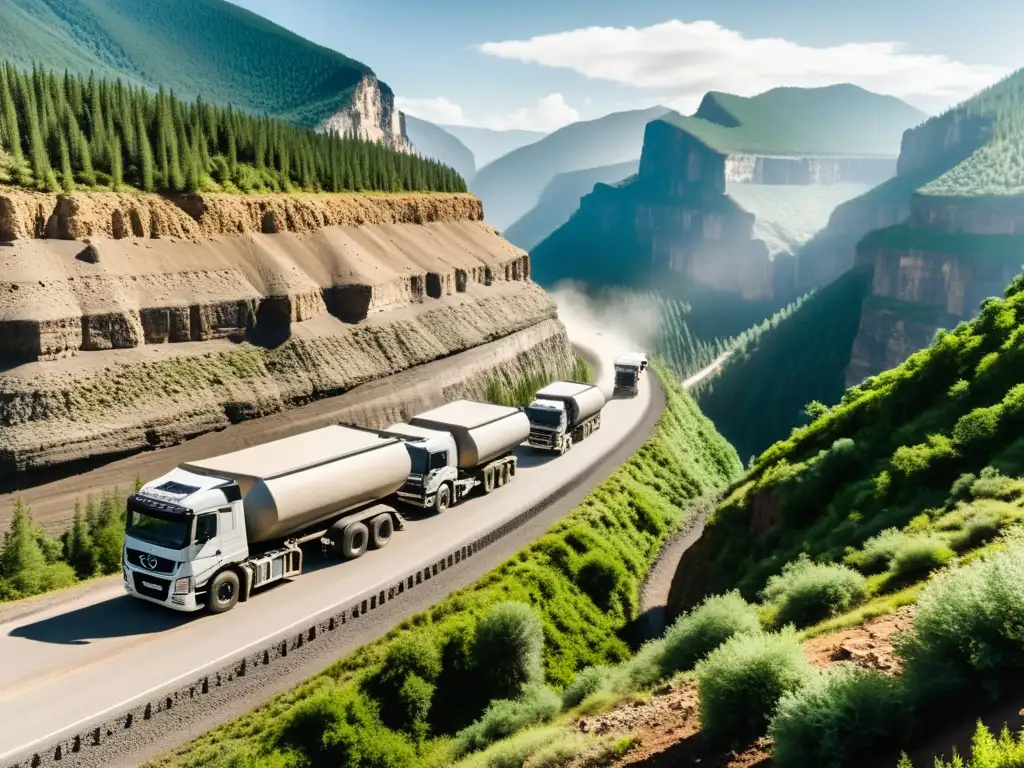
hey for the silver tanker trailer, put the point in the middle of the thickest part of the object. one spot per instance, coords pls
(210, 532)
(564, 412)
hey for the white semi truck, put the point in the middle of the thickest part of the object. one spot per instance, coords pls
(563, 413)
(627, 373)
(458, 447)
(210, 532)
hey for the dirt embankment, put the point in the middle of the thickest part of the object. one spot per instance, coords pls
(132, 321)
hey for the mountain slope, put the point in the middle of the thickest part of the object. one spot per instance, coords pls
(487, 144)
(560, 199)
(512, 185)
(436, 143)
(202, 47)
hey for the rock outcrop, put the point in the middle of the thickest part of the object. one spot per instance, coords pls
(128, 321)
(372, 115)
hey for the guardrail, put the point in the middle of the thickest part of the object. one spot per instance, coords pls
(76, 745)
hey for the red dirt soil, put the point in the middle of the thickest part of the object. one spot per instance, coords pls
(667, 727)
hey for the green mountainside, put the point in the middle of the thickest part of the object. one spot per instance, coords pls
(207, 48)
(835, 120)
(57, 133)
(899, 451)
(775, 369)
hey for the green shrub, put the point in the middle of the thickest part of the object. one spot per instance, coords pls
(806, 592)
(695, 634)
(404, 683)
(877, 553)
(600, 577)
(967, 634)
(507, 650)
(838, 719)
(978, 425)
(505, 717)
(961, 488)
(917, 556)
(993, 485)
(642, 670)
(740, 684)
(587, 682)
(546, 747)
(986, 751)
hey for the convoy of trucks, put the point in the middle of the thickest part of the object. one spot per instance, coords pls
(564, 412)
(210, 532)
(627, 373)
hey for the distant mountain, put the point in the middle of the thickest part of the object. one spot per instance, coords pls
(560, 199)
(432, 141)
(512, 185)
(488, 145)
(207, 48)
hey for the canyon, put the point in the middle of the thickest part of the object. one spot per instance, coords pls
(133, 321)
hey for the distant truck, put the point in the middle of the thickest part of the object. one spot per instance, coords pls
(563, 413)
(458, 447)
(627, 373)
(208, 533)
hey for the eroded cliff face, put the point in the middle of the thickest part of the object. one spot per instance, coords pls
(725, 222)
(372, 116)
(128, 321)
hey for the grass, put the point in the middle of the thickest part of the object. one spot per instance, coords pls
(626, 519)
(522, 391)
(835, 120)
(211, 49)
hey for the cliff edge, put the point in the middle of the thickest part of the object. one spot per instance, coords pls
(131, 321)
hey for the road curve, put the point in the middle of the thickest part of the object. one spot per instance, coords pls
(97, 655)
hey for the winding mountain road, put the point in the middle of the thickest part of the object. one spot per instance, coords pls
(94, 655)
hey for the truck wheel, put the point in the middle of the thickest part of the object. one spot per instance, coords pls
(354, 540)
(505, 474)
(568, 444)
(380, 531)
(224, 590)
(488, 480)
(443, 500)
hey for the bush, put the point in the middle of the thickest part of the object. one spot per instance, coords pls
(404, 683)
(838, 719)
(806, 593)
(917, 556)
(589, 681)
(600, 577)
(877, 553)
(535, 748)
(504, 717)
(642, 670)
(993, 485)
(740, 684)
(961, 488)
(967, 630)
(507, 650)
(986, 751)
(695, 634)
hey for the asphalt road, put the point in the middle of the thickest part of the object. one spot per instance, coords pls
(96, 654)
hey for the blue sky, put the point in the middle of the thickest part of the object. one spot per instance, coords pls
(549, 65)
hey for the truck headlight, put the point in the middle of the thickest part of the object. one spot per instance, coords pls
(183, 586)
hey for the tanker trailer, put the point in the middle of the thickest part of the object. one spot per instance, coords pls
(210, 532)
(459, 447)
(563, 413)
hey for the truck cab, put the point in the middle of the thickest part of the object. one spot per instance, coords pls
(627, 373)
(434, 459)
(549, 424)
(179, 530)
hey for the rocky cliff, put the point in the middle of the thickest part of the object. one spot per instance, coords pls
(372, 115)
(133, 321)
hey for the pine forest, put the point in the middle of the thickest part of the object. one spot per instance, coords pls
(62, 132)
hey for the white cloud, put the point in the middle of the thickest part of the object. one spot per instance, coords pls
(682, 60)
(436, 110)
(549, 114)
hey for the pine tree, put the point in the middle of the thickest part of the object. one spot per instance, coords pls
(67, 176)
(116, 167)
(78, 546)
(145, 151)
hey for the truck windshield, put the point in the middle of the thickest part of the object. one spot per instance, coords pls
(625, 375)
(549, 417)
(171, 531)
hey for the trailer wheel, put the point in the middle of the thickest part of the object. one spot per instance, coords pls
(505, 474)
(380, 530)
(568, 444)
(354, 540)
(224, 591)
(488, 480)
(443, 499)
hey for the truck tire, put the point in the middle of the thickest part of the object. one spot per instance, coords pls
(224, 590)
(354, 540)
(443, 500)
(381, 528)
(488, 484)
(505, 474)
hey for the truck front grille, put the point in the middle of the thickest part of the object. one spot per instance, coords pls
(542, 437)
(151, 586)
(150, 562)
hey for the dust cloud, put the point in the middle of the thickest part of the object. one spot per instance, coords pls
(604, 328)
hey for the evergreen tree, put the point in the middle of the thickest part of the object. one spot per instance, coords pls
(78, 546)
(67, 176)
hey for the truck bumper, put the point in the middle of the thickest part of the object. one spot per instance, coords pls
(185, 603)
(416, 499)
